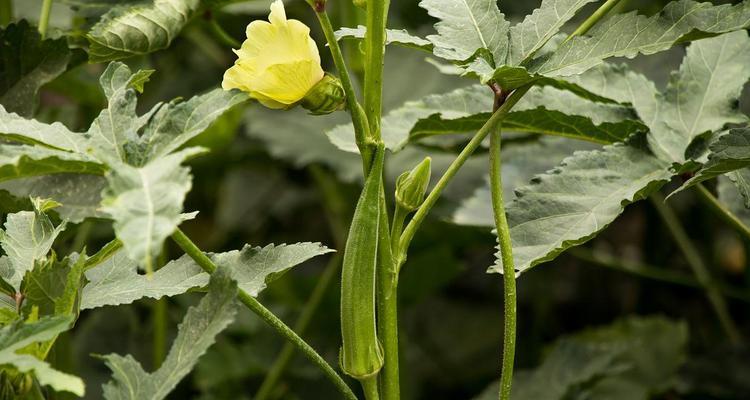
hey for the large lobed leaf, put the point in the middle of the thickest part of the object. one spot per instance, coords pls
(468, 28)
(21, 334)
(527, 37)
(27, 63)
(117, 281)
(195, 335)
(544, 110)
(146, 203)
(147, 185)
(630, 34)
(628, 360)
(141, 28)
(27, 239)
(572, 203)
(703, 95)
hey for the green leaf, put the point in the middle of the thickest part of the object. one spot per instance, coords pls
(178, 122)
(30, 131)
(468, 28)
(27, 239)
(19, 335)
(392, 36)
(79, 195)
(142, 28)
(543, 110)
(22, 161)
(539, 27)
(741, 179)
(44, 285)
(630, 34)
(569, 205)
(703, 95)
(28, 62)
(730, 152)
(195, 335)
(146, 203)
(118, 124)
(254, 267)
(731, 197)
(521, 162)
(637, 356)
(116, 281)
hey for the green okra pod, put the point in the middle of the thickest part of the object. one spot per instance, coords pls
(361, 353)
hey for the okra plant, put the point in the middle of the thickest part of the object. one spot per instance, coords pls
(586, 135)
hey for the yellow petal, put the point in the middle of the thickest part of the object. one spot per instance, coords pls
(278, 63)
(288, 83)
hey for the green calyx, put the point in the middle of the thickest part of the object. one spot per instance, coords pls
(325, 97)
(411, 186)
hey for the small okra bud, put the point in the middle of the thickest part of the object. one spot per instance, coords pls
(411, 186)
(325, 97)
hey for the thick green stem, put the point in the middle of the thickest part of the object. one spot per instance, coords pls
(721, 211)
(390, 386)
(434, 195)
(6, 12)
(377, 15)
(652, 272)
(300, 326)
(359, 119)
(370, 387)
(593, 19)
(44, 17)
(509, 270)
(698, 266)
(267, 316)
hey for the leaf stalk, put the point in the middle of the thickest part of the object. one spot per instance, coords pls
(266, 315)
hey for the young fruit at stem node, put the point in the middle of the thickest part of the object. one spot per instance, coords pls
(361, 352)
(325, 97)
(411, 186)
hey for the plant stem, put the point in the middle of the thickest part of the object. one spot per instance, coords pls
(300, 326)
(359, 119)
(374, 44)
(593, 19)
(509, 270)
(399, 217)
(652, 272)
(387, 309)
(103, 254)
(721, 211)
(267, 316)
(432, 198)
(698, 266)
(370, 387)
(44, 17)
(6, 12)
(222, 35)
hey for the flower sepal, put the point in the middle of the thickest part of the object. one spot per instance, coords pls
(325, 97)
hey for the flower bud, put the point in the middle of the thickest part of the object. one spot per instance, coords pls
(412, 185)
(325, 97)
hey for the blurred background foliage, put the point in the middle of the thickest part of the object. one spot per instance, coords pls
(274, 177)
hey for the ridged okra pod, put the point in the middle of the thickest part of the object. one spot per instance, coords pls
(361, 353)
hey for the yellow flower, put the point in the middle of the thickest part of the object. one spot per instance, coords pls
(278, 63)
